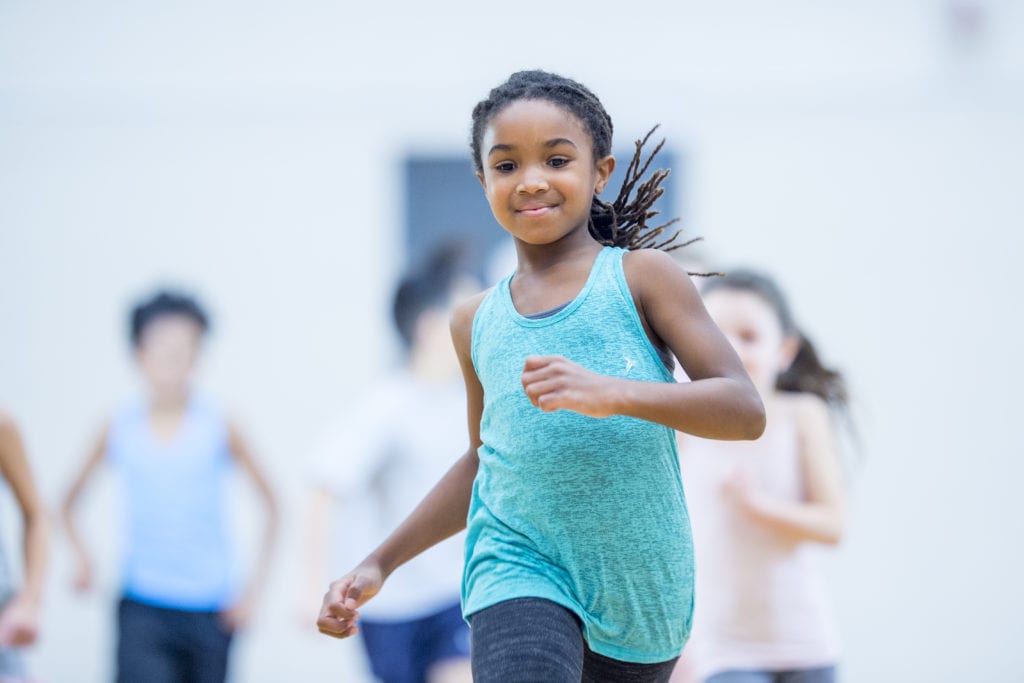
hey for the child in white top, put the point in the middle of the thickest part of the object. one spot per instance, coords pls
(378, 462)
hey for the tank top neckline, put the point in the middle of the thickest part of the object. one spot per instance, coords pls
(168, 443)
(505, 289)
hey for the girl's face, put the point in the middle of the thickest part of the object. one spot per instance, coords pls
(753, 328)
(539, 171)
(167, 353)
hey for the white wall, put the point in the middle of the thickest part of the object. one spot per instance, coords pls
(865, 152)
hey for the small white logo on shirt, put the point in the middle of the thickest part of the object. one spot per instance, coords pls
(629, 363)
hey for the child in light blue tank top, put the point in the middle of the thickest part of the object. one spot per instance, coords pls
(180, 601)
(570, 488)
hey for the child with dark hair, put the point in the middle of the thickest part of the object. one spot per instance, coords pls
(379, 461)
(578, 557)
(19, 607)
(180, 600)
(762, 511)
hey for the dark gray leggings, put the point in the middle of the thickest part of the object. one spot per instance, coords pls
(530, 640)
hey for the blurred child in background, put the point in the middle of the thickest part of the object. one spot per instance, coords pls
(174, 451)
(378, 462)
(19, 608)
(762, 511)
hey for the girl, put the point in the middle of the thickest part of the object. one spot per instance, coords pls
(762, 510)
(19, 609)
(174, 451)
(578, 555)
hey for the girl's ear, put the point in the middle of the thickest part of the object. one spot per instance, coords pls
(605, 167)
(480, 177)
(787, 354)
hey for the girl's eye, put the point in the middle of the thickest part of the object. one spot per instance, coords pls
(505, 167)
(558, 162)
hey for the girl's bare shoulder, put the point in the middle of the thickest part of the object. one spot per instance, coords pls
(654, 273)
(465, 311)
(462, 318)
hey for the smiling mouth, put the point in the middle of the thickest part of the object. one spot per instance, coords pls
(536, 210)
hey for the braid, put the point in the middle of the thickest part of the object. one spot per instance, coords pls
(623, 223)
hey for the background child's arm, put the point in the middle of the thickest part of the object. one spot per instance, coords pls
(441, 514)
(239, 613)
(19, 619)
(83, 563)
(819, 517)
(719, 403)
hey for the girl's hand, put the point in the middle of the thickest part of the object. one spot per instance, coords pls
(555, 383)
(19, 623)
(739, 489)
(339, 611)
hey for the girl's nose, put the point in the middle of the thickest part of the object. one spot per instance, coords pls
(533, 181)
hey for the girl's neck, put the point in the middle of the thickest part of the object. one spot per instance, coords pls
(537, 258)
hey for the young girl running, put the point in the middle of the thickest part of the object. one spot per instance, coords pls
(762, 511)
(578, 554)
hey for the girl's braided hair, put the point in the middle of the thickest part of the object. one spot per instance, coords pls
(623, 222)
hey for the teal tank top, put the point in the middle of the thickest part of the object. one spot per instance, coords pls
(588, 513)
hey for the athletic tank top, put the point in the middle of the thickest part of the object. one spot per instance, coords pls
(588, 513)
(176, 549)
(762, 602)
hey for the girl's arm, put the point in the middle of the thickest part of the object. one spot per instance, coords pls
(83, 563)
(819, 517)
(239, 613)
(441, 514)
(18, 621)
(719, 403)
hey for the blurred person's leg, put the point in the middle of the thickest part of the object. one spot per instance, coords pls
(742, 677)
(148, 646)
(443, 646)
(823, 674)
(209, 644)
(390, 650)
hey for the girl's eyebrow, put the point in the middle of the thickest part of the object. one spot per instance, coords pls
(553, 142)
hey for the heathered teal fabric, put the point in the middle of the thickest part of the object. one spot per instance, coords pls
(586, 512)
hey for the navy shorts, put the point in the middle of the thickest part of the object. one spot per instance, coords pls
(403, 651)
(163, 645)
(824, 674)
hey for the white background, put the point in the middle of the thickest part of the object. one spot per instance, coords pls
(868, 153)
